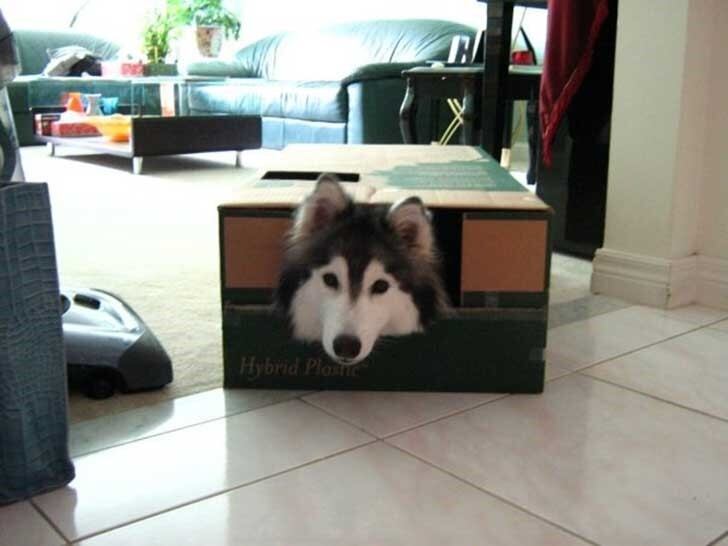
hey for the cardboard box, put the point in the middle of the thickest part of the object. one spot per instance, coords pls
(494, 236)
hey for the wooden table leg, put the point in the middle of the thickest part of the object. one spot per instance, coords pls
(497, 59)
(408, 115)
(468, 112)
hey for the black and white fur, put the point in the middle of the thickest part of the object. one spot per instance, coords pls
(352, 273)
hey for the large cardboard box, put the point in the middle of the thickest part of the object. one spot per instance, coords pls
(494, 237)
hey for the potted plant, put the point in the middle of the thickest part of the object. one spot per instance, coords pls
(212, 22)
(157, 37)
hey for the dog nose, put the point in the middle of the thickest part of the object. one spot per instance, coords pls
(347, 346)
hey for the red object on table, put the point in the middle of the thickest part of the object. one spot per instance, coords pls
(572, 30)
(522, 57)
(73, 129)
(122, 68)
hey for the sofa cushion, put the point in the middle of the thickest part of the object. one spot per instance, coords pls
(305, 100)
(33, 45)
(334, 52)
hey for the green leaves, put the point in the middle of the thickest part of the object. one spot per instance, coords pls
(205, 12)
(157, 35)
(161, 26)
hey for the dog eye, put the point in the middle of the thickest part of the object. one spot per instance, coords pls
(331, 281)
(380, 287)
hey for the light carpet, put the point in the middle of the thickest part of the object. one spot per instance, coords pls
(153, 240)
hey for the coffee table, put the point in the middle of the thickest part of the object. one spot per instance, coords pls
(162, 125)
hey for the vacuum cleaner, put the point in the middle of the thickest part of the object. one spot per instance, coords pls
(108, 345)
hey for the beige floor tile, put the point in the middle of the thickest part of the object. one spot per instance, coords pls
(109, 431)
(22, 525)
(385, 413)
(607, 336)
(135, 480)
(613, 466)
(373, 495)
(723, 325)
(691, 370)
(697, 314)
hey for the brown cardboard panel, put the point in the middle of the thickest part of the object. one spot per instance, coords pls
(501, 255)
(462, 199)
(291, 195)
(365, 157)
(252, 248)
(452, 177)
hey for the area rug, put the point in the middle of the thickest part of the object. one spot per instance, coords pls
(152, 239)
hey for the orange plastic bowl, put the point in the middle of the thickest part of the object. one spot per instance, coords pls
(115, 128)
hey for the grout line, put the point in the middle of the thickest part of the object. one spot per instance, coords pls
(183, 427)
(454, 413)
(343, 420)
(49, 521)
(448, 416)
(584, 372)
(494, 495)
(631, 351)
(717, 540)
(654, 397)
(224, 491)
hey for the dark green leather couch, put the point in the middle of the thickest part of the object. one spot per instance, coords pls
(32, 89)
(338, 84)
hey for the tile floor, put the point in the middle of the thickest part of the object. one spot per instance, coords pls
(627, 445)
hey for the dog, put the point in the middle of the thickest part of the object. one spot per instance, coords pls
(354, 273)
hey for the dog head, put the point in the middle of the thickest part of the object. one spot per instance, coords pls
(352, 274)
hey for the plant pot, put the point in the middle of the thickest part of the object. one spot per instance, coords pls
(209, 40)
(160, 69)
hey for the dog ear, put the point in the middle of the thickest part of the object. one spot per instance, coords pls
(411, 221)
(320, 208)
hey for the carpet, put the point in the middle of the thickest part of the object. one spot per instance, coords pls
(152, 239)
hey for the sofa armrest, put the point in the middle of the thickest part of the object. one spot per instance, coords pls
(216, 68)
(378, 71)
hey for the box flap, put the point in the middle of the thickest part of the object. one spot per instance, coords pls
(461, 177)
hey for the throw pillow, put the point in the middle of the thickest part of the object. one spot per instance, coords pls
(63, 61)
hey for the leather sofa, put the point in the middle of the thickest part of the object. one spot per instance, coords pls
(337, 84)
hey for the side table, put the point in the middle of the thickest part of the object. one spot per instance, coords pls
(441, 82)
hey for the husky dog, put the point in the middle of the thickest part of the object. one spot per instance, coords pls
(352, 273)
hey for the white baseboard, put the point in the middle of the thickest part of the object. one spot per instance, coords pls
(519, 153)
(712, 282)
(646, 280)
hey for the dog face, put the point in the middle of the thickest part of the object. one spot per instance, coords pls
(352, 274)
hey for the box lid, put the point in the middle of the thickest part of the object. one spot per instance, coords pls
(461, 177)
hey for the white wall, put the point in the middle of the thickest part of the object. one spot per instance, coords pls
(263, 18)
(714, 226)
(667, 208)
(259, 18)
(119, 22)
